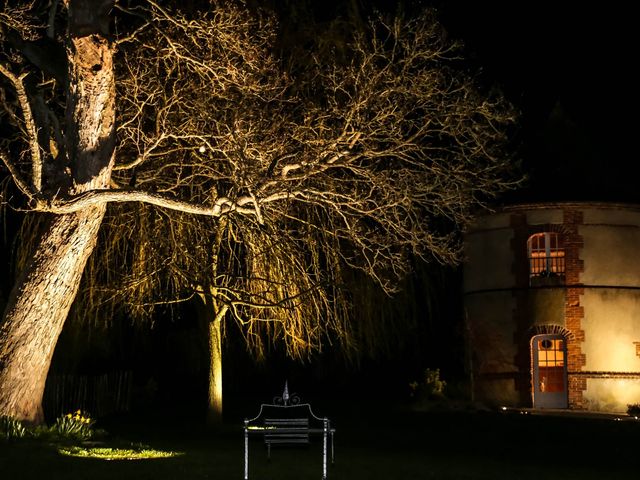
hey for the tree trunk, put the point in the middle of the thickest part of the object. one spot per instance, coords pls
(212, 315)
(37, 309)
(41, 298)
(214, 410)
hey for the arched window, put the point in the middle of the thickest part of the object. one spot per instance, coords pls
(546, 255)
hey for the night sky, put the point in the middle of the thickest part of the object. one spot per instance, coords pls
(568, 68)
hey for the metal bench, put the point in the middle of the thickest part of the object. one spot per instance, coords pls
(287, 422)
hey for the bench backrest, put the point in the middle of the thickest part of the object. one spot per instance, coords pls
(286, 430)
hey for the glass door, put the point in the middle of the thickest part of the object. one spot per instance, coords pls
(549, 371)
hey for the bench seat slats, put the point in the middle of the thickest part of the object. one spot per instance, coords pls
(287, 441)
(286, 433)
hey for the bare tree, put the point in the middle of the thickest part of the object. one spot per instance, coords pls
(286, 172)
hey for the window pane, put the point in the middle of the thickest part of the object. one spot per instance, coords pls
(543, 261)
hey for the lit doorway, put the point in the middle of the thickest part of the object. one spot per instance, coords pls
(549, 353)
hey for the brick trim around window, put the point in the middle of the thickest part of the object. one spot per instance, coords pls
(574, 311)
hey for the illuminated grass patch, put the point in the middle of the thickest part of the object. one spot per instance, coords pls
(106, 453)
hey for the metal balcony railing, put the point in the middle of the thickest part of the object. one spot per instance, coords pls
(546, 266)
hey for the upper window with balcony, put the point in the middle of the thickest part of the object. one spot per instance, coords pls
(546, 256)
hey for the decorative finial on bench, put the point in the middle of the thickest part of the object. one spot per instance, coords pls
(287, 399)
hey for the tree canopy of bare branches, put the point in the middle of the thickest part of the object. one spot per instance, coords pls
(361, 161)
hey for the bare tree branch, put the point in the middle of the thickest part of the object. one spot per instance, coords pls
(22, 185)
(19, 18)
(94, 197)
(32, 131)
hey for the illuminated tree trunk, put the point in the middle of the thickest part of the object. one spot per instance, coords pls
(41, 298)
(214, 410)
(213, 315)
(37, 310)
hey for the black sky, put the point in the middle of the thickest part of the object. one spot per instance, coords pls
(568, 67)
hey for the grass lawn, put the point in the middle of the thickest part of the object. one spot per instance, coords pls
(401, 446)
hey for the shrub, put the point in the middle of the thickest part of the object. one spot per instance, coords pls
(633, 409)
(431, 387)
(73, 427)
(11, 428)
(434, 387)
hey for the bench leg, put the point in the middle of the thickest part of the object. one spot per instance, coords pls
(324, 449)
(333, 458)
(246, 450)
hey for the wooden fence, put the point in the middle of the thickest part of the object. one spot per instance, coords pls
(99, 395)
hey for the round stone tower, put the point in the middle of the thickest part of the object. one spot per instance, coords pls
(552, 302)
